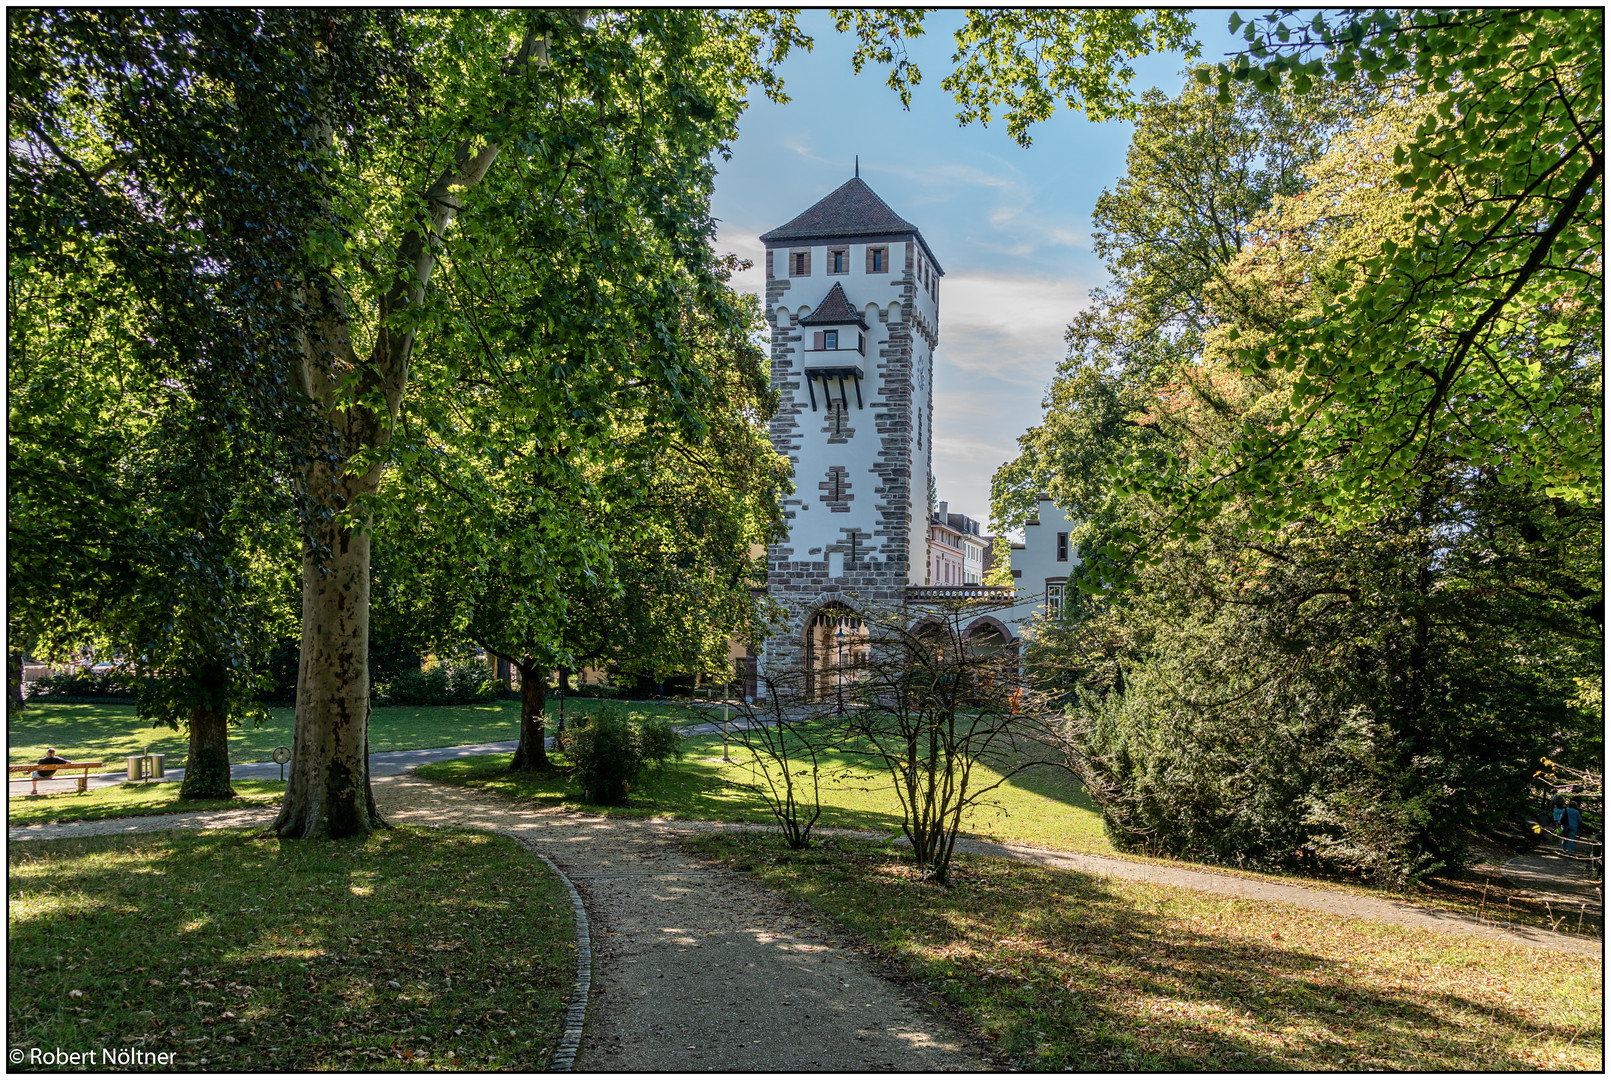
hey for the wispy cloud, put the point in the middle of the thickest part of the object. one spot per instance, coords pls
(1009, 328)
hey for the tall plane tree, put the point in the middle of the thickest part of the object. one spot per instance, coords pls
(545, 221)
(158, 190)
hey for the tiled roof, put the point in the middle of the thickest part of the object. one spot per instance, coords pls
(835, 310)
(852, 209)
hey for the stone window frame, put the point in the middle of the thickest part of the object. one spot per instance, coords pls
(800, 262)
(877, 253)
(843, 251)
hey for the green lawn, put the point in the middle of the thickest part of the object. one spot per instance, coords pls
(130, 800)
(110, 733)
(1039, 806)
(413, 948)
(1059, 969)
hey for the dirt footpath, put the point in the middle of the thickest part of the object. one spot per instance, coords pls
(698, 969)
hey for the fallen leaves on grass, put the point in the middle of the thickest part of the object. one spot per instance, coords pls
(1066, 970)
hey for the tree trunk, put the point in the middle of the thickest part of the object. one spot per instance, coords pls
(328, 794)
(505, 679)
(15, 702)
(532, 754)
(207, 768)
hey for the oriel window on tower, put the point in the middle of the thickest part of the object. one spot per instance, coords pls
(830, 339)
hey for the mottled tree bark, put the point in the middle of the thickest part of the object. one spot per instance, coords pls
(14, 699)
(207, 767)
(327, 793)
(532, 754)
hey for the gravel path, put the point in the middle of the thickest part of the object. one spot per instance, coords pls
(697, 968)
(659, 834)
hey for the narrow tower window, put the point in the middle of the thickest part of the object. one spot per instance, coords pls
(1062, 547)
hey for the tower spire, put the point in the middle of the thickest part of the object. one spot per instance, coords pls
(858, 166)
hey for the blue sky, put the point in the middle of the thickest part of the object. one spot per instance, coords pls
(1010, 226)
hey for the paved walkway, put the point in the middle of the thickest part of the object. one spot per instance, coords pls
(1549, 875)
(385, 763)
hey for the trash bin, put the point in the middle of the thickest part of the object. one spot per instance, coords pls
(153, 766)
(136, 767)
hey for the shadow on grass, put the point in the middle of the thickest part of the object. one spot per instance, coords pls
(239, 953)
(1066, 970)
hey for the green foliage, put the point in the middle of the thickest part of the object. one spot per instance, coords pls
(85, 684)
(1199, 172)
(1024, 62)
(159, 188)
(448, 682)
(609, 751)
(1471, 327)
(1246, 682)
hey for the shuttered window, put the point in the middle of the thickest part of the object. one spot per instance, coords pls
(800, 263)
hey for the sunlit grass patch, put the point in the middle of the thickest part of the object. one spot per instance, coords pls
(1067, 970)
(131, 800)
(1040, 806)
(413, 948)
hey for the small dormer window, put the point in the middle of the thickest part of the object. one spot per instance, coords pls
(830, 339)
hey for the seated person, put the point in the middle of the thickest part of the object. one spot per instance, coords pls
(50, 758)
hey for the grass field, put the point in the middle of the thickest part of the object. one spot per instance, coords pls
(110, 733)
(131, 800)
(1039, 806)
(413, 948)
(1058, 970)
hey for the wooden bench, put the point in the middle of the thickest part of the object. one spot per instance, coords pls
(83, 780)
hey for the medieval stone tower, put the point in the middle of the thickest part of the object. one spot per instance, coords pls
(852, 297)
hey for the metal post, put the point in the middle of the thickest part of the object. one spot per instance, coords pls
(839, 675)
(724, 732)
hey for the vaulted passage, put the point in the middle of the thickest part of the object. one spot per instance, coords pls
(835, 642)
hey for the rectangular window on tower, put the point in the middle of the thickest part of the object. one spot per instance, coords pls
(830, 339)
(877, 260)
(800, 263)
(1062, 547)
(839, 260)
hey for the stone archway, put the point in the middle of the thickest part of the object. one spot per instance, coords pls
(989, 636)
(835, 641)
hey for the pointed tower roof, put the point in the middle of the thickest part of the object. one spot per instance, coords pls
(835, 310)
(852, 210)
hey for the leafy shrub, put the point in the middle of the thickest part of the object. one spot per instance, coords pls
(594, 690)
(448, 683)
(609, 752)
(85, 684)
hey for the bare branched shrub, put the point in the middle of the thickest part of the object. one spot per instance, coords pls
(928, 699)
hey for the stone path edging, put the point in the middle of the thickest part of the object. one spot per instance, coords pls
(570, 1040)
